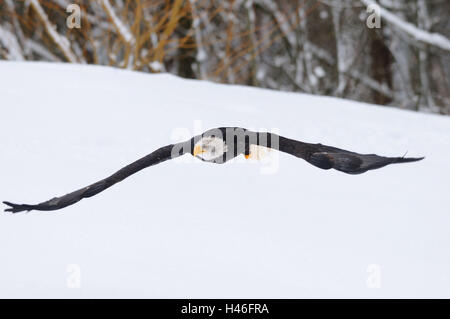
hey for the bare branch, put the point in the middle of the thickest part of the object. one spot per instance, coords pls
(60, 40)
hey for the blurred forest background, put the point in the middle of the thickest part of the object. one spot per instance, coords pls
(322, 47)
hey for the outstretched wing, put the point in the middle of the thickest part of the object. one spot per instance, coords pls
(158, 156)
(322, 156)
(327, 157)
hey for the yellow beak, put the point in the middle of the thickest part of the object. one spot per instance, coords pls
(198, 150)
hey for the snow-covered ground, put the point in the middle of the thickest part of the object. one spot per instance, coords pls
(190, 229)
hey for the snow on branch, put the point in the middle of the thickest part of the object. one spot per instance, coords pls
(60, 40)
(434, 39)
(281, 19)
(121, 28)
(371, 83)
(41, 50)
(9, 40)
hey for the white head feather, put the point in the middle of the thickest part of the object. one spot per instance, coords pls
(211, 148)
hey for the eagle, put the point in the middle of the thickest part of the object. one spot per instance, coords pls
(220, 145)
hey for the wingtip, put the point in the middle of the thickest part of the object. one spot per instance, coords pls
(408, 159)
(416, 159)
(7, 210)
(14, 208)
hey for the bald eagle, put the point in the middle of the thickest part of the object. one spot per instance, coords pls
(219, 146)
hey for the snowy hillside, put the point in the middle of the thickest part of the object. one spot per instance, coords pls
(279, 228)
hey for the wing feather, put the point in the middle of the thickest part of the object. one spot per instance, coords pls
(327, 157)
(158, 156)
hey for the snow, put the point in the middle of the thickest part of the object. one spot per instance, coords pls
(156, 66)
(192, 229)
(319, 72)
